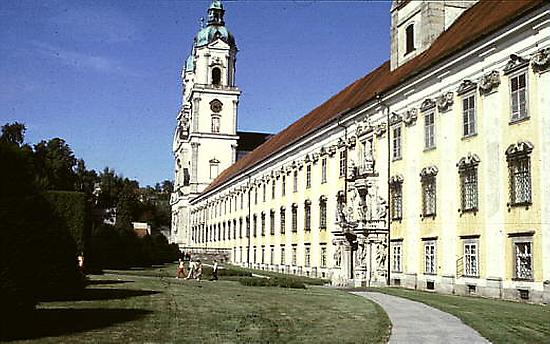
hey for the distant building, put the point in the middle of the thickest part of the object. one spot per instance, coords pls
(141, 228)
(427, 173)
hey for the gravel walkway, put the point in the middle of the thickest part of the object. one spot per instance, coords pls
(415, 322)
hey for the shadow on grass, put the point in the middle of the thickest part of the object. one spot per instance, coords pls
(92, 294)
(55, 322)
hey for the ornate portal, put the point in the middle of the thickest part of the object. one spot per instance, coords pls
(361, 235)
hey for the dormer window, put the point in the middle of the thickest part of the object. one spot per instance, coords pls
(216, 76)
(409, 39)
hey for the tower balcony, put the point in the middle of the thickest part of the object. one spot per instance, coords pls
(215, 87)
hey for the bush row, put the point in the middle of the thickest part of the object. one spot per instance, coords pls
(283, 282)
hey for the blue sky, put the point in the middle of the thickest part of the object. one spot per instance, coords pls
(104, 75)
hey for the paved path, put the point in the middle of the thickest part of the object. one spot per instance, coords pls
(415, 322)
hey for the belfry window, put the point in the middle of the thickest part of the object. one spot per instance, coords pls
(215, 127)
(409, 39)
(216, 76)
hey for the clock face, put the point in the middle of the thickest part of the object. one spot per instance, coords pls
(216, 105)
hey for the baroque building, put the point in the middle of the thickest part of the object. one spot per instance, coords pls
(425, 173)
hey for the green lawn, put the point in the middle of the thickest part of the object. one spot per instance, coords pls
(122, 308)
(497, 320)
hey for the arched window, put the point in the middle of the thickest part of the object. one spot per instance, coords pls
(216, 76)
(215, 124)
(409, 38)
(214, 168)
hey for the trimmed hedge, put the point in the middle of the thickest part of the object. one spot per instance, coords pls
(71, 207)
(283, 282)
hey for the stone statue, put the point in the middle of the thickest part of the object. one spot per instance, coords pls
(381, 253)
(382, 208)
(338, 255)
(368, 156)
(361, 257)
(351, 170)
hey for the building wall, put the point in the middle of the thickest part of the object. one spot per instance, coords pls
(496, 224)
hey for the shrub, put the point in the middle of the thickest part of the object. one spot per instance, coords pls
(283, 282)
(72, 209)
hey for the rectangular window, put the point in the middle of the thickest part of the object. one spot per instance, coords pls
(283, 255)
(294, 254)
(254, 254)
(523, 257)
(429, 130)
(397, 256)
(263, 192)
(256, 195)
(242, 200)
(430, 257)
(295, 186)
(272, 255)
(294, 218)
(396, 143)
(520, 180)
(283, 220)
(255, 226)
(240, 228)
(215, 124)
(323, 170)
(308, 176)
(323, 214)
(283, 186)
(471, 265)
(263, 254)
(307, 254)
(343, 163)
(323, 256)
(468, 186)
(263, 224)
(247, 227)
(396, 193)
(428, 196)
(518, 95)
(307, 216)
(469, 115)
(272, 222)
(273, 190)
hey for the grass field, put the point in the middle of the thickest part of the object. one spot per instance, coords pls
(145, 309)
(497, 320)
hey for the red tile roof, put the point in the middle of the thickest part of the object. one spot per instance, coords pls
(474, 24)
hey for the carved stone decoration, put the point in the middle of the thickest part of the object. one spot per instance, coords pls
(468, 161)
(344, 214)
(315, 157)
(352, 141)
(541, 60)
(380, 129)
(397, 179)
(381, 255)
(410, 116)
(361, 257)
(445, 101)
(489, 82)
(323, 151)
(337, 253)
(429, 171)
(395, 118)
(516, 62)
(341, 143)
(427, 104)
(519, 148)
(352, 170)
(466, 86)
(307, 159)
(363, 126)
(332, 150)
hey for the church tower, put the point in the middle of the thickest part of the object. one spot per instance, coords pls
(205, 139)
(416, 24)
